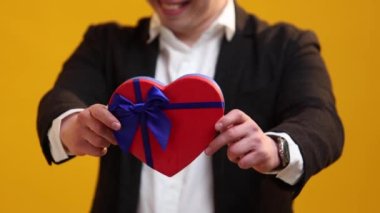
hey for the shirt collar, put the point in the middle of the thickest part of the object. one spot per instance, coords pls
(225, 19)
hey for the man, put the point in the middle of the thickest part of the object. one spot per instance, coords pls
(281, 125)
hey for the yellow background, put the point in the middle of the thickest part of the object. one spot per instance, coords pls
(37, 36)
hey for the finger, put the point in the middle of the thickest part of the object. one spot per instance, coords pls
(232, 157)
(232, 118)
(97, 127)
(95, 139)
(240, 149)
(253, 159)
(86, 148)
(104, 132)
(101, 113)
(231, 135)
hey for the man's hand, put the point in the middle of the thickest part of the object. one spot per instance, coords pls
(248, 146)
(89, 132)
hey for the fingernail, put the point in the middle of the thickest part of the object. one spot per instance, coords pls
(218, 126)
(208, 151)
(115, 125)
(104, 151)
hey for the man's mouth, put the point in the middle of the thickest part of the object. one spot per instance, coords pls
(173, 7)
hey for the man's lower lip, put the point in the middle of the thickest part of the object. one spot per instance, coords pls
(173, 10)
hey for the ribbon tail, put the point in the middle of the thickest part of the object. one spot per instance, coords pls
(146, 142)
(127, 132)
(160, 127)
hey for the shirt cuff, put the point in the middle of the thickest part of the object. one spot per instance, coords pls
(291, 173)
(57, 150)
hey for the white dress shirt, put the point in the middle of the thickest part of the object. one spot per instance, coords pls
(190, 190)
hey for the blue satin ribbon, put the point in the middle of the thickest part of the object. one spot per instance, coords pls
(148, 115)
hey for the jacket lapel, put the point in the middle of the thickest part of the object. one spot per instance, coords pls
(233, 57)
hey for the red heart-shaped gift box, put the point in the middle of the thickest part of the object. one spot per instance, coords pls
(195, 103)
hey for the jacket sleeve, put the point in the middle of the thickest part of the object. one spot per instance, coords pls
(82, 82)
(305, 105)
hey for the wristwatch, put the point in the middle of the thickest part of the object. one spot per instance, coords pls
(283, 151)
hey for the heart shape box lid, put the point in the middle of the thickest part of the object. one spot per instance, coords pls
(167, 127)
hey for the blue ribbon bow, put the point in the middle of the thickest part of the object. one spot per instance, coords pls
(148, 115)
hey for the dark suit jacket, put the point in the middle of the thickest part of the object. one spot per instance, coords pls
(275, 74)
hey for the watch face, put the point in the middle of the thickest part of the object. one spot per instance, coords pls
(283, 151)
(286, 156)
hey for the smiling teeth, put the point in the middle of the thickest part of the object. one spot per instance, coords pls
(171, 6)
